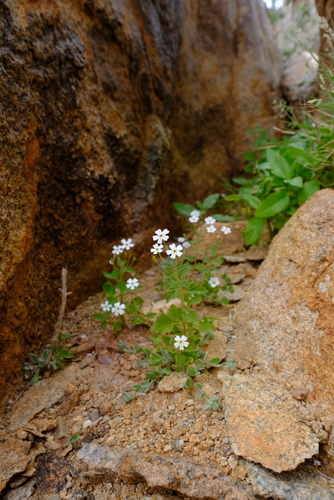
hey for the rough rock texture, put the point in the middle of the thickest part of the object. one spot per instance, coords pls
(110, 111)
(266, 424)
(178, 474)
(42, 395)
(302, 484)
(286, 324)
(13, 459)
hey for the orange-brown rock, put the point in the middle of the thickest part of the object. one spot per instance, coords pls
(286, 323)
(110, 111)
(266, 424)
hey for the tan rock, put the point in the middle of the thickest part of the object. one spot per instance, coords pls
(40, 396)
(161, 306)
(216, 347)
(173, 382)
(266, 424)
(13, 459)
(178, 474)
(285, 324)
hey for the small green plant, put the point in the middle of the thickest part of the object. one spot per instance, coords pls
(74, 438)
(180, 334)
(119, 283)
(54, 356)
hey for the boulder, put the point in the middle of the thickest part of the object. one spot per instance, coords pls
(110, 111)
(286, 322)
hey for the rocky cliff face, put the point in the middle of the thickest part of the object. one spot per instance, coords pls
(110, 111)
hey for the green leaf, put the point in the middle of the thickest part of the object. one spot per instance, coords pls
(205, 325)
(214, 361)
(74, 438)
(190, 317)
(35, 378)
(34, 358)
(128, 396)
(163, 324)
(252, 201)
(296, 182)
(175, 313)
(109, 289)
(254, 230)
(232, 197)
(198, 386)
(189, 383)
(113, 275)
(180, 359)
(64, 353)
(278, 165)
(99, 316)
(210, 201)
(122, 286)
(184, 209)
(308, 190)
(129, 270)
(223, 218)
(123, 347)
(273, 205)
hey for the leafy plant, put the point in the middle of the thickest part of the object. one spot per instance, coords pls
(116, 308)
(179, 334)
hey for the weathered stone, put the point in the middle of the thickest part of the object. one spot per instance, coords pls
(216, 347)
(13, 459)
(265, 423)
(22, 493)
(256, 252)
(305, 483)
(42, 395)
(285, 324)
(173, 382)
(98, 462)
(111, 111)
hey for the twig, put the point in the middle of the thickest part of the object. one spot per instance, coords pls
(59, 322)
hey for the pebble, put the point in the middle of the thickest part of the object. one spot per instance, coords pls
(87, 423)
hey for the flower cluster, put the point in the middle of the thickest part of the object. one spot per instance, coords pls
(194, 216)
(125, 245)
(174, 250)
(117, 309)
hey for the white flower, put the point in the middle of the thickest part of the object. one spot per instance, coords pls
(214, 281)
(209, 220)
(117, 249)
(106, 306)
(211, 229)
(195, 213)
(161, 236)
(181, 342)
(127, 244)
(132, 283)
(174, 251)
(181, 239)
(222, 195)
(186, 244)
(226, 230)
(157, 248)
(118, 308)
(193, 219)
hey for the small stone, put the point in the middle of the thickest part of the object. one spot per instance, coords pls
(240, 471)
(105, 407)
(105, 360)
(232, 461)
(62, 428)
(94, 416)
(22, 493)
(88, 360)
(173, 382)
(86, 424)
(22, 435)
(55, 496)
(240, 257)
(53, 445)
